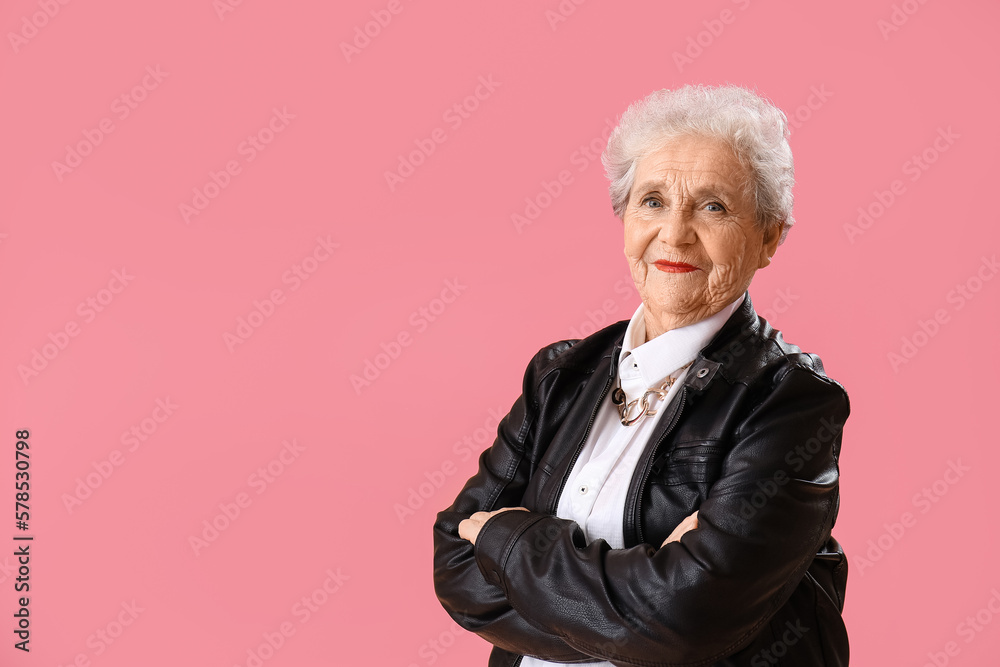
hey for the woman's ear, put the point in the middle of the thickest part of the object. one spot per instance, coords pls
(770, 244)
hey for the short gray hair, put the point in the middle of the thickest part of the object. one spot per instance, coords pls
(752, 126)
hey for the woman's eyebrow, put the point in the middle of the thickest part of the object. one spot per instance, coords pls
(647, 186)
(717, 189)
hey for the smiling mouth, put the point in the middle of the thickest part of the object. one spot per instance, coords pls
(674, 267)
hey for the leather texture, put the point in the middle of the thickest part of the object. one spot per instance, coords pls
(751, 441)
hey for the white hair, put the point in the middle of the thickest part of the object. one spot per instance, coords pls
(752, 126)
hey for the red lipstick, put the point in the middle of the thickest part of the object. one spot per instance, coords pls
(674, 267)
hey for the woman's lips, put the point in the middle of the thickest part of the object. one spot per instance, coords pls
(674, 267)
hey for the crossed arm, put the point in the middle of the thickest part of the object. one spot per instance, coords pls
(469, 528)
(690, 601)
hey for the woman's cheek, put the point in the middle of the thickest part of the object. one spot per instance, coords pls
(634, 249)
(723, 277)
(638, 271)
(637, 240)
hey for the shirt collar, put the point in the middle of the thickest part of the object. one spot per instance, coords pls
(649, 363)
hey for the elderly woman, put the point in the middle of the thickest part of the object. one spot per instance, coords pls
(663, 491)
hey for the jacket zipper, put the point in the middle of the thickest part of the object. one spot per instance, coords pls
(579, 448)
(569, 470)
(649, 464)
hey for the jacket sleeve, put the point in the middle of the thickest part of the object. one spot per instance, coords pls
(504, 469)
(698, 600)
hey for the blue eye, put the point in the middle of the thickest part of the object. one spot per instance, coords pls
(651, 200)
(719, 208)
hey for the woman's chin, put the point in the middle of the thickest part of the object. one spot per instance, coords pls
(675, 302)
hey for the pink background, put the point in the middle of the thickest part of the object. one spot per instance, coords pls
(328, 127)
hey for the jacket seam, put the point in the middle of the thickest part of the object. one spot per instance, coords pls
(508, 477)
(836, 572)
(819, 628)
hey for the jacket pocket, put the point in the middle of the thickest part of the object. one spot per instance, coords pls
(688, 462)
(679, 483)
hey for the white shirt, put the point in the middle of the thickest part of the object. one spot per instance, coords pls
(594, 495)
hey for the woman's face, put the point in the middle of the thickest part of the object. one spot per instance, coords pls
(691, 238)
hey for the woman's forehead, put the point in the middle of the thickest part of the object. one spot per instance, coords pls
(690, 159)
(666, 176)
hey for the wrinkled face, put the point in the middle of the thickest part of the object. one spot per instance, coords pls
(691, 239)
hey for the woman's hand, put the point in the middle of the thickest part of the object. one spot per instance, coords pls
(468, 529)
(690, 522)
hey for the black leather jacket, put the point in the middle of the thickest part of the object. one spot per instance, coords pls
(751, 442)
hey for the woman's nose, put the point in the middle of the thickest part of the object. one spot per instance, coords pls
(676, 228)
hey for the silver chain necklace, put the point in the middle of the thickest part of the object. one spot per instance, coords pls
(625, 407)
